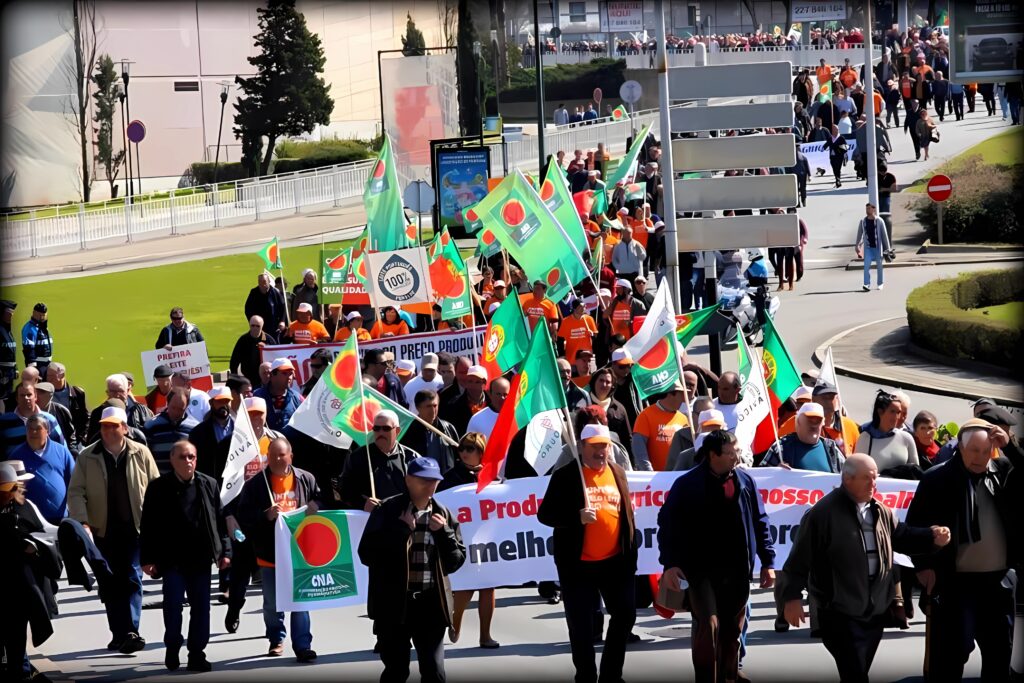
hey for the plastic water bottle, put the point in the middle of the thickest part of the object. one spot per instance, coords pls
(239, 536)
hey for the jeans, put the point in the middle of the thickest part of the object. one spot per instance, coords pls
(873, 253)
(1014, 105)
(302, 638)
(612, 580)
(958, 106)
(1003, 103)
(123, 599)
(196, 585)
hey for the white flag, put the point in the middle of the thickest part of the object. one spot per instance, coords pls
(314, 415)
(244, 448)
(659, 322)
(754, 406)
(544, 441)
(400, 277)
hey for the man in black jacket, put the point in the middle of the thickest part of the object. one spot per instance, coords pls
(246, 354)
(844, 555)
(70, 396)
(710, 530)
(425, 442)
(178, 332)
(268, 303)
(969, 583)
(181, 533)
(212, 436)
(388, 460)
(595, 551)
(278, 488)
(410, 546)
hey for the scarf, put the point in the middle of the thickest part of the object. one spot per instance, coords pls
(968, 524)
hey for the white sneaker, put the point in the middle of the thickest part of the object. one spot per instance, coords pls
(880, 287)
(866, 288)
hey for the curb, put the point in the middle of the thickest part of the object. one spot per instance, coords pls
(967, 258)
(819, 359)
(956, 248)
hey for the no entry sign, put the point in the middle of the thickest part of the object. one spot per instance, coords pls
(940, 187)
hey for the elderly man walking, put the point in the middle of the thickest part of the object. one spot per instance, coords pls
(182, 532)
(410, 546)
(105, 496)
(595, 552)
(51, 463)
(386, 462)
(844, 555)
(806, 448)
(711, 529)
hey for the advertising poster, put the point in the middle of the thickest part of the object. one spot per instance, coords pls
(985, 41)
(462, 176)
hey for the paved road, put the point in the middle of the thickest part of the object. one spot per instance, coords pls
(533, 634)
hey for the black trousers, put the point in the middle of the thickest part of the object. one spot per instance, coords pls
(837, 165)
(719, 607)
(243, 564)
(852, 642)
(940, 107)
(424, 628)
(957, 104)
(971, 608)
(13, 639)
(612, 580)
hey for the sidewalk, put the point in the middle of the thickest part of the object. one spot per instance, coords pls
(879, 352)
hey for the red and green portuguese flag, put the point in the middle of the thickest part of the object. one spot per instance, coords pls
(535, 389)
(382, 197)
(689, 325)
(515, 215)
(358, 411)
(657, 370)
(554, 192)
(780, 373)
(271, 254)
(506, 339)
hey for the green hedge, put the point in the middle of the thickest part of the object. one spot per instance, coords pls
(941, 320)
(202, 172)
(568, 81)
(983, 207)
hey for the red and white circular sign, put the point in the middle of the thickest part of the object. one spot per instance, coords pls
(940, 187)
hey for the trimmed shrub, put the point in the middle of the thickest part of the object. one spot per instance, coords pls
(349, 150)
(983, 205)
(202, 172)
(568, 81)
(940, 320)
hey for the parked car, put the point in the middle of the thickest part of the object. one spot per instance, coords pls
(991, 54)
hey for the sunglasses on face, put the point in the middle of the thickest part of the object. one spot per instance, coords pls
(176, 319)
(317, 366)
(382, 428)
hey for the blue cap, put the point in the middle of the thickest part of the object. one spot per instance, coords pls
(425, 468)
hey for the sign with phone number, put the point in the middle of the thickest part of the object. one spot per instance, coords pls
(804, 10)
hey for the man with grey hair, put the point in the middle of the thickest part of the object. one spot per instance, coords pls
(267, 302)
(385, 461)
(969, 584)
(246, 356)
(843, 556)
(138, 413)
(70, 396)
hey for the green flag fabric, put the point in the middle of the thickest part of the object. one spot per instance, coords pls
(689, 325)
(620, 113)
(554, 192)
(357, 412)
(382, 197)
(506, 338)
(780, 371)
(271, 254)
(514, 215)
(658, 369)
(334, 267)
(540, 386)
(625, 168)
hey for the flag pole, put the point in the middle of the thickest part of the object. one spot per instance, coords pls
(570, 436)
(772, 418)
(835, 375)
(284, 290)
(686, 392)
(362, 410)
(447, 439)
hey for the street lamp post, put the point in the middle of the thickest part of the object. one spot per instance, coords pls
(540, 85)
(479, 95)
(224, 87)
(124, 142)
(125, 76)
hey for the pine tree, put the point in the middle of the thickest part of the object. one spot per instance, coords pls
(287, 96)
(413, 43)
(106, 97)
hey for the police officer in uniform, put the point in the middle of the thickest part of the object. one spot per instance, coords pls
(8, 350)
(36, 342)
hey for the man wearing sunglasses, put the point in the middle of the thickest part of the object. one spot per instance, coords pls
(384, 459)
(378, 364)
(317, 364)
(179, 332)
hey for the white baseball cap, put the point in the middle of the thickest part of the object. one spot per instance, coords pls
(622, 357)
(604, 292)
(353, 315)
(802, 394)
(113, 415)
(405, 368)
(812, 410)
(219, 394)
(429, 362)
(255, 404)
(282, 364)
(595, 433)
(304, 308)
(711, 416)
(477, 371)
(623, 283)
(498, 283)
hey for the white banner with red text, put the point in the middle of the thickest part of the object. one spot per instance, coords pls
(412, 347)
(507, 546)
(190, 359)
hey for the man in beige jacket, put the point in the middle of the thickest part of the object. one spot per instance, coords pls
(105, 496)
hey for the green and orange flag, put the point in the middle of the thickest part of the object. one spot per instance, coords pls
(620, 113)
(382, 197)
(825, 91)
(780, 373)
(554, 192)
(449, 277)
(271, 254)
(506, 338)
(344, 374)
(514, 215)
(536, 388)
(356, 415)
(657, 370)
(689, 325)
(626, 167)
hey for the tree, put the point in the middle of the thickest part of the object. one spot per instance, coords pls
(106, 97)
(77, 75)
(413, 43)
(466, 67)
(287, 96)
(447, 18)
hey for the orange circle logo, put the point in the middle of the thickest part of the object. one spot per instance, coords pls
(492, 345)
(318, 540)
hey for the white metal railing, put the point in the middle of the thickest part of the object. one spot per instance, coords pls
(63, 229)
(804, 56)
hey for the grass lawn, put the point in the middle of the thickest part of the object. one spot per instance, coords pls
(1005, 149)
(100, 323)
(1011, 313)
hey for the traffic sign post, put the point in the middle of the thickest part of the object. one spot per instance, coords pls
(939, 189)
(419, 196)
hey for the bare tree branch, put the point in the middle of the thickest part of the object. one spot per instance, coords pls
(83, 30)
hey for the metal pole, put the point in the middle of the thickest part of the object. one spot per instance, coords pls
(939, 211)
(380, 90)
(871, 153)
(540, 84)
(124, 144)
(667, 169)
(904, 14)
(220, 130)
(138, 166)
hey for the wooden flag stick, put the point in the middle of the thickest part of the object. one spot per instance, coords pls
(570, 436)
(447, 439)
(366, 434)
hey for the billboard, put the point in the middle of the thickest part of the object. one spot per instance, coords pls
(461, 182)
(816, 10)
(985, 41)
(624, 16)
